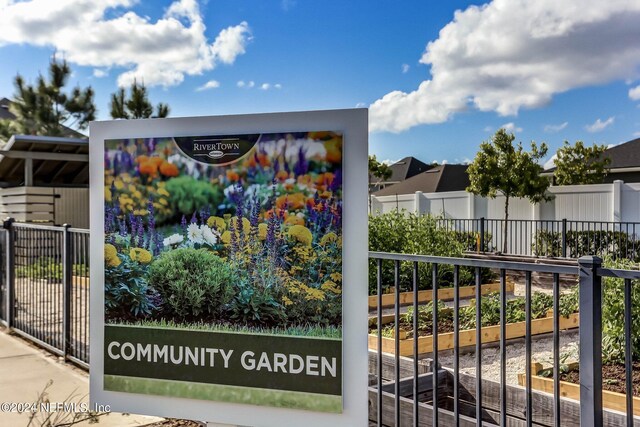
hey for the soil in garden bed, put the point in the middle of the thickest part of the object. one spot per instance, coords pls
(613, 378)
(445, 325)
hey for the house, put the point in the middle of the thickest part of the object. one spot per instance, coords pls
(400, 171)
(435, 179)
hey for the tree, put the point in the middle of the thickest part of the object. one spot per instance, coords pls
(382, 171)
(501, 167)
(136, 106)
(45, 109)
(577, 164)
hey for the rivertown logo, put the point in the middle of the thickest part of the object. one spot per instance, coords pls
(217, 149)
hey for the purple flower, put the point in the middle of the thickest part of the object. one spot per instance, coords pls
(183, 223)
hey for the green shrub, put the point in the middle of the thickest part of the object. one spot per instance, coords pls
(613, 338)
(541, 303)
(193, 283)
(256, 306)
(410, 233)
(127, 294)
(188, 195)
(616, 244)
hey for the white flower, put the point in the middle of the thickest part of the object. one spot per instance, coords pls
(194, 234)
(210, 237)
(173, 240)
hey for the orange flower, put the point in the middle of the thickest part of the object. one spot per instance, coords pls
(263, 159)
(169, 169)
(148, 168)
(142, 159)
(294, 220)
(334, 150)
(232, 175)
(325, 179)
(311, 202)
(291, 201)
(282, 175)
(156, 160)
(305, 180)
(325, 194)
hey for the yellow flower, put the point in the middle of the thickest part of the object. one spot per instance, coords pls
(246, 225)
(111, 255)
(107, 194)
(262, 231)
(286, 300)
(314, 294)
(337, 277)
(226, 237)
(163, 192)
(217, 223)
(118, 184)
(330, 237)
(331, 287)
(143, 256)
(301, 233)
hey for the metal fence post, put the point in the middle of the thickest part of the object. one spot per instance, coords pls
(590, 342)
(67, 270)
(482, 234)
(564, 237)
(10, 272)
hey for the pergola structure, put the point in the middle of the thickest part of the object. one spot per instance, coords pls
(46, 179)
(44, 161)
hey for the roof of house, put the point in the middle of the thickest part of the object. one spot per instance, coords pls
(406, 168)
(4, 109)
(625, 155)
(56, 161)
(436, 179)
(5, 113)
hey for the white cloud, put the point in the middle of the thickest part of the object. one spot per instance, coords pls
(248, 85)
(265, 86)
(636, 134)
(361, 105)
(511, 127)
(240, 83)
(634, 93)
(599, 125)
(107, 33)
(514, 54)
(211, 84)
(277, 86)
(405, 68)
(389, 162)
(487, 129)
(99, 73)
(555, 128)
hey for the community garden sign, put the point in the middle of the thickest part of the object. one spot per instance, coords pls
(224, 250)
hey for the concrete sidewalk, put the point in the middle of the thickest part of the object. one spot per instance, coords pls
(24, 373)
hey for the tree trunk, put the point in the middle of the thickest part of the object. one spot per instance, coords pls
(506, 226)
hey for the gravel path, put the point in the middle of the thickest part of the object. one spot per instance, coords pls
(542, 352)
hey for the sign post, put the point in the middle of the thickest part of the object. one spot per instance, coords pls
(223, 252)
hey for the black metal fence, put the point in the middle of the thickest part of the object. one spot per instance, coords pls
(45, 281)
(405, 393)
(549, 238)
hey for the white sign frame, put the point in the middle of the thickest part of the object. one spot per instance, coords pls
(353, 123)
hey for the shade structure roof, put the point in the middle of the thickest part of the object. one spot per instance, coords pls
(44, 161)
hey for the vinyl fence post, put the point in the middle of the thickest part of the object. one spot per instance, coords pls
(482, 234)
(564, 237)
(10, 271)
(67, 270)
(590, 342)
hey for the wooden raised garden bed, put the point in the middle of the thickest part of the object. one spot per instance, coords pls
(610, 399)
(444, 294)
(467, 337)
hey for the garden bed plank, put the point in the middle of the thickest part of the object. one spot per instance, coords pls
(543, 406)
(610, 399)
(444, 294)
(467, 337)
(389, 363)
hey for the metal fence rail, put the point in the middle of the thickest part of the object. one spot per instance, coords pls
(46, 278)
(446, 396)
(548, 238)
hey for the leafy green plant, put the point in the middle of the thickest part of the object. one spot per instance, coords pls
(188, 195)
(569, 302)
(256, 306)
(616, 244)
(410, 233)
(49, 268)
(541, 303)
(127, 293)
(194, 283)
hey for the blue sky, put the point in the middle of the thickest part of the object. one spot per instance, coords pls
(440, 77)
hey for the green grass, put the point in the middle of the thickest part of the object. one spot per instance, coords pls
(225, 393)
(334, 332)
